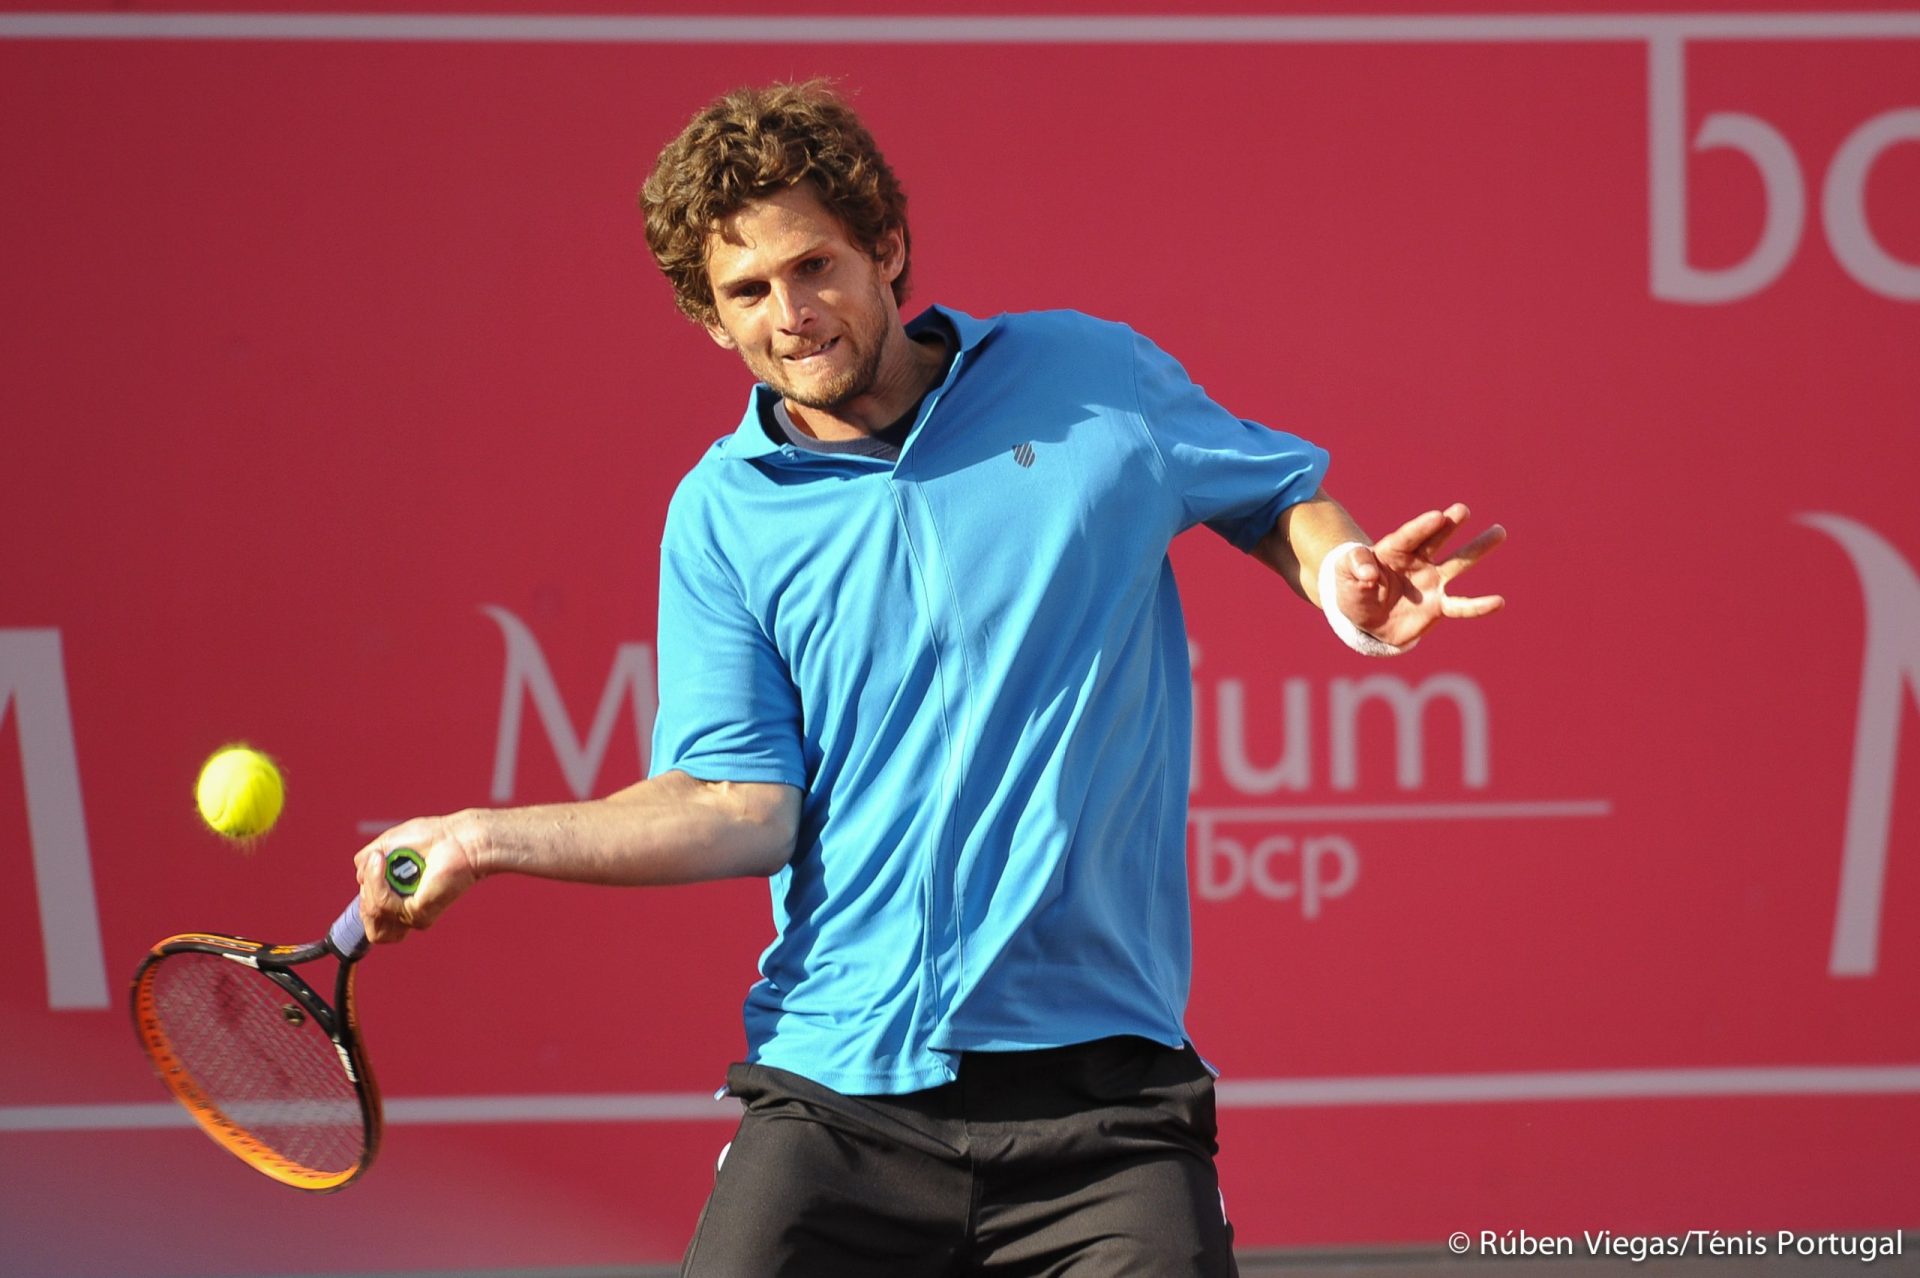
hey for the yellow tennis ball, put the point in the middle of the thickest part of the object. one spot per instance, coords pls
(240, 793)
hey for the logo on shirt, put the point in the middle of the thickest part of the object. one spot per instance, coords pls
(1023, 453)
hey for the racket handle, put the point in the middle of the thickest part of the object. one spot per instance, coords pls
(348, 935)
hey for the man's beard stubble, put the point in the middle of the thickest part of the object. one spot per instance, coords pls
(857, 381)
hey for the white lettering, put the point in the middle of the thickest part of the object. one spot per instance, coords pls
(1291, 765)
(1346, 696)
(1843, 195)
(1260, 868)
(1674, 278)
(1221, 865)
(1892, 598)
(1315, 884)
(33, 682)
(1294, 770)
(1278, 867)
(528, 676)
(1844, 206)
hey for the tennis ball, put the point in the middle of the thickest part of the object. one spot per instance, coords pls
(240, 792)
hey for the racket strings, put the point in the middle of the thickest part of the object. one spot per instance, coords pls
(261, 1059)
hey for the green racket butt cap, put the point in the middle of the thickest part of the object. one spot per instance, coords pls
(404, 868)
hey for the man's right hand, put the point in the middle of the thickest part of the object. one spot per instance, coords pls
(448, 844)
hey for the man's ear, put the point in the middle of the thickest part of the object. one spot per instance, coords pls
(891, 255)
(720, 336)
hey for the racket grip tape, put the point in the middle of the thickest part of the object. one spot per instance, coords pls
(348, 935)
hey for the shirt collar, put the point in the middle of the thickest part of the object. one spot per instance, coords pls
(749, 440)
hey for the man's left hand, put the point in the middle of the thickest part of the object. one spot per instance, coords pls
(1397, 591)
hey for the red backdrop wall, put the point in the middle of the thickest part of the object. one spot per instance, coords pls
(342, 405)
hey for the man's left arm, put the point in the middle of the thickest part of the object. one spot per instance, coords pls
(1393, 590)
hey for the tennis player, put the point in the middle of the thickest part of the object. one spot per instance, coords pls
(922, 666)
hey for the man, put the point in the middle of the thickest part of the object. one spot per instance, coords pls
(922, 665)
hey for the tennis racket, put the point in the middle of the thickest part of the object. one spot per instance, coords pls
(269, 1069)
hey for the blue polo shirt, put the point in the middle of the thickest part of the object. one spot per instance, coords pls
(972, 662)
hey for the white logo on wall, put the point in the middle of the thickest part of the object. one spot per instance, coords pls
(1892, 597)
(1278, 853)
(1309, 869)
(529, 678)
(33, 687)
(1281, 854)
(1843, 208)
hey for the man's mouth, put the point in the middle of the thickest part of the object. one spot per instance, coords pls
(811, 352)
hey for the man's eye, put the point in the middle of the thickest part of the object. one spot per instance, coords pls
(814, 265)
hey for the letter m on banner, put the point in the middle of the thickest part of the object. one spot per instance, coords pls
(528, 678)
(33, 690)
(1892, 596)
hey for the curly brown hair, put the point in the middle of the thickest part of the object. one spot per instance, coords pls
(752, 143)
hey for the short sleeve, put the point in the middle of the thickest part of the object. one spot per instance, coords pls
(727, 710)
(1235, 476)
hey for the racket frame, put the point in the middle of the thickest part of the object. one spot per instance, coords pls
(339, 1020)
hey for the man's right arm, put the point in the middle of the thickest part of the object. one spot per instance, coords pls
(671, 828)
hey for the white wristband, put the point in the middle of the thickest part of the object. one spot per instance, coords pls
(1351, 635)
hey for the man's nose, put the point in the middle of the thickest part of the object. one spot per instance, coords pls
(793, 307)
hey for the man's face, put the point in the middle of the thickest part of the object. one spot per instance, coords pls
(812, 315)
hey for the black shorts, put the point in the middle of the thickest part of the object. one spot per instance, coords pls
(1094, 1160)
